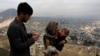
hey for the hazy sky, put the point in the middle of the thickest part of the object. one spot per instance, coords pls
(64, 8)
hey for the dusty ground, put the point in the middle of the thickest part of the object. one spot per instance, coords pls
(4, 46)
(74, 50)
(68, 50)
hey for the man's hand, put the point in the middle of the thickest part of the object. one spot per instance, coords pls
(35, 36)
(62, 42)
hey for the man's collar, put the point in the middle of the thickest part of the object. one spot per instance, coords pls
(18, 21)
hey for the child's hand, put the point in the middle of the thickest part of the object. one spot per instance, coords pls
(62, 42)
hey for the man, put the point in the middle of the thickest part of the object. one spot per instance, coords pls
(19, 39)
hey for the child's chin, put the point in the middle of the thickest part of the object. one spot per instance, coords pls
(60, 35)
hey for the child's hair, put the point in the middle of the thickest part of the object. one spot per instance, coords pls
(52, 28)
(66, 31)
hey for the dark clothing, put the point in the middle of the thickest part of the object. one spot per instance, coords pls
(58, 40)
(53, 41)
(50, 39)
(19, 39)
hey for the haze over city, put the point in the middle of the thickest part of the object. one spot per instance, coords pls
(63, 8)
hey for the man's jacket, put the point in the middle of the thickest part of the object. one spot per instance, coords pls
(19, 39)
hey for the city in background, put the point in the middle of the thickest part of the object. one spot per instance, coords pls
(81, 17)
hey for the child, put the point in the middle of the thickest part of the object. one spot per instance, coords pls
(49, 39)
(61, 39)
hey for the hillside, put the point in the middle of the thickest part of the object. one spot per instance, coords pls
(68, 50)
(9, 13)
(84, 34)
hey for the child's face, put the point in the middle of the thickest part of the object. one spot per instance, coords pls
(62, 33)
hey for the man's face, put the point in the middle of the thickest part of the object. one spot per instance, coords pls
(26, 17)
